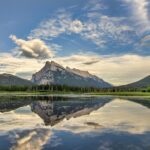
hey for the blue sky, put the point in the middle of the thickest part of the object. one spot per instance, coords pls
(21, 17)
(68, 28)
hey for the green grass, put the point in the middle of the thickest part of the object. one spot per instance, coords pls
(15, 93)
(59, 92)
(123, 93)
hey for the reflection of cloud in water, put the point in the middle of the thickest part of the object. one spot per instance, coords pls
(31, 140)
(111, 140)
(104, 123)
(16, 120)
(120, 115)
(55, 141)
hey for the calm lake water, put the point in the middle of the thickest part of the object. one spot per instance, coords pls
(74, 123)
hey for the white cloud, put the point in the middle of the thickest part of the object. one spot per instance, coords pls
(61, 22)
(76, 26)
(94, 5)
(23, 66)
(140, 13)
(114, 69)
(106, 29)
(34, 48)
(145, 41)
(147, 37)
(98, 28)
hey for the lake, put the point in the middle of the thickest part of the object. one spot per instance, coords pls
(74, 123)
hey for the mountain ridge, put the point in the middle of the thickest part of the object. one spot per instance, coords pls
(142, 83)
(9, 79)
(54, 73)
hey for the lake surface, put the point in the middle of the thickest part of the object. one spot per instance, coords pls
(74, 123)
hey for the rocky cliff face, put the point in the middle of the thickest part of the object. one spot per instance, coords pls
(53, 73)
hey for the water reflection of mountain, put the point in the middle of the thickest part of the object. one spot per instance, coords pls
(54, 109)
(12, 103)
(52, 112)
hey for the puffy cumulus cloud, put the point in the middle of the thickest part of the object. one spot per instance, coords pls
(115, 69)
(76, 26)
(34, 48)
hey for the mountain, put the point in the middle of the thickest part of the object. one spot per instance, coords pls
(53, 73)
(145, 82)
(8, 79)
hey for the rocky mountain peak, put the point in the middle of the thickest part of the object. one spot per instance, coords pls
(79, 72)
(52, 63)
(54, 73)
(83, 73)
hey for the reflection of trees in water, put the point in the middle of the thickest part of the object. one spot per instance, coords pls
(12, 103)
(142, 102)
(8, 103)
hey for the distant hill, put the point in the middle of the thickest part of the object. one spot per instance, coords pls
(53, 73)
(8, 79)
(145, 82)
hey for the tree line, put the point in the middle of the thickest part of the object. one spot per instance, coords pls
(65, 88)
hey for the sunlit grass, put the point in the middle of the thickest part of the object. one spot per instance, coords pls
(62, 92)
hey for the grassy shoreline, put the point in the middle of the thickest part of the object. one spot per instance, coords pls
(123, 93)
(17, 93)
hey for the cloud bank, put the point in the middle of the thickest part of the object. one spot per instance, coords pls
(114, 69)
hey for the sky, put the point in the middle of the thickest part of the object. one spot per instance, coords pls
(110, 39)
